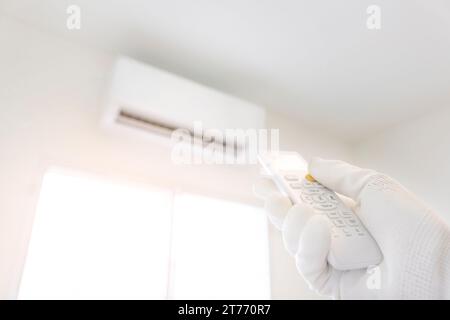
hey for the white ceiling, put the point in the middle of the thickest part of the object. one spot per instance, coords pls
(314, 60)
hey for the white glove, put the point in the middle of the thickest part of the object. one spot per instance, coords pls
(414, 241)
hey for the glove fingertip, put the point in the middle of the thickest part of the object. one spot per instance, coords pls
(277, 207)
(264, 187)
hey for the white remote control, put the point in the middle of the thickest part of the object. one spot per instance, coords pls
(352, 246)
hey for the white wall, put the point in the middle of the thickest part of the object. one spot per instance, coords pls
(50, 102)
(417, 154)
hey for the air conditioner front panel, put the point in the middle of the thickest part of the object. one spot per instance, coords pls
(169, 101)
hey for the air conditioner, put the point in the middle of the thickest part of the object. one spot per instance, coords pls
(146, 101)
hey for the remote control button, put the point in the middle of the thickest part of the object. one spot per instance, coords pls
(310, 178)
(332, 214)
(324, 206)
(306, 198)
(352, 222)
(347, 231)
(359, 231)
(338, 223)
(309, 184)
(291, 177)
(346, 213)
(320, 198)
(312, 191)
(331, 197)
(296, 185)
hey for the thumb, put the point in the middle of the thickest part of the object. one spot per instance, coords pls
(340, 176)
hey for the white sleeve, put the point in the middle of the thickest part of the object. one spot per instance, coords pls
(427, 262)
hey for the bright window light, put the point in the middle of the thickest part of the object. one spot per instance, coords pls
(96, 240)
(220, 250)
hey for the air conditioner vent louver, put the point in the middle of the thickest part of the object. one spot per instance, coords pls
(138, 121)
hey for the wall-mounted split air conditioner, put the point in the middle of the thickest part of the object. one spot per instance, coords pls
(146, 101)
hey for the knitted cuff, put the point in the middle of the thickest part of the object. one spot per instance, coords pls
(427, 263)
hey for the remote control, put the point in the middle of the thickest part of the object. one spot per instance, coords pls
(352, 246)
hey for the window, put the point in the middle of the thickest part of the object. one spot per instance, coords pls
(95, 239)
(220, 250)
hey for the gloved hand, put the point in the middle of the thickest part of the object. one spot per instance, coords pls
(414, 241)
